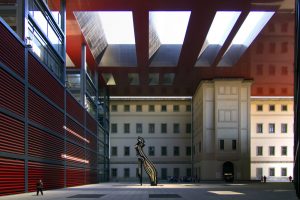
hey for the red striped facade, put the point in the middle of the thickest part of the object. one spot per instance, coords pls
(33, 120)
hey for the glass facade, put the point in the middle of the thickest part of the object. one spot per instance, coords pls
(46, 37)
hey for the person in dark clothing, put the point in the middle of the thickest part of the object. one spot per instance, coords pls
(265, 179)
(39, 187)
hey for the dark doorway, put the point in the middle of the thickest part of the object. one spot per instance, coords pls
(228, 171)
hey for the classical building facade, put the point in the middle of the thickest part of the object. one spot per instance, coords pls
(272, 138)
(221, 129)
(164, 123)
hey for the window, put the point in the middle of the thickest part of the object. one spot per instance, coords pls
(221, 143)
(259, 69)
(126, 172)
(176, 128)
(272, 47)
(200, 146)
(233, 144)
(114, 108)
(163, 128)
(114, 172)
(188, 172)
(114, 128)
(284, 108)
(188, 108)
(126, 128)
(151, 151)
(284, 70)
(126, 151)
(176, 172)
(138, 108)
(283, 171)
(271, 27)
(271, 107)
(284, 128)
(188, 151)
(259, 128)
(139, 128)
(175, 108)
(260, 48)
(271, 128)
(163, 151)
(271, 171)
(259, 172)
(164, 173)
(259, 151)
(126, 108)
(176, 151)
(271, 70)
(284, 47)
(114, 151)
(188, 128)
(259, 107)
(151, 108)
(284, 150)
(272, 151)
(151, 128)
(163, 108)
(284, 27)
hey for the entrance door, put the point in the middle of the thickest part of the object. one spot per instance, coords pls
(228, 171)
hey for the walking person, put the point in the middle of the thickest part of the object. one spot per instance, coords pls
(39, 187)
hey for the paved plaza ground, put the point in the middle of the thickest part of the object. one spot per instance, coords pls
(166, 191)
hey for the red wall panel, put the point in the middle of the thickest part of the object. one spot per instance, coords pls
(91, 124)
(74, 108)
(44, 145)
(77, 129)
(42, 80)
(52, 175)
(11, 135)
(75, 176)
(12, 93)
(11, 176)
(12, 52)
(45, 114)
(75, 151)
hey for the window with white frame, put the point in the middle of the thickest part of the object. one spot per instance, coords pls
(114, 128)
(283, 171)
(259, 107)
(139, 128)
(271, 171)
(284, 150)
(284, 128)
(151, 128)
(259, 128)
(259, 151)
(272, 151)
(271, 128)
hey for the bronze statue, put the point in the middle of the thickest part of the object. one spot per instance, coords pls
(145, 162)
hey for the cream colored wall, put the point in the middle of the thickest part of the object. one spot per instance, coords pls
(157, 139)
(276, 139)
(222, 111)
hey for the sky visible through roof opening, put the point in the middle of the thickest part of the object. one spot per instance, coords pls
(170, 26)
(118, 27)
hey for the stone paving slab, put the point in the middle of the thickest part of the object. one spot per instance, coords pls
(202, 191)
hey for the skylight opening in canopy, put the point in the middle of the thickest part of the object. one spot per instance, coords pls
(118, 27)
(170, 26)
(221, 26)
(251, 27)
